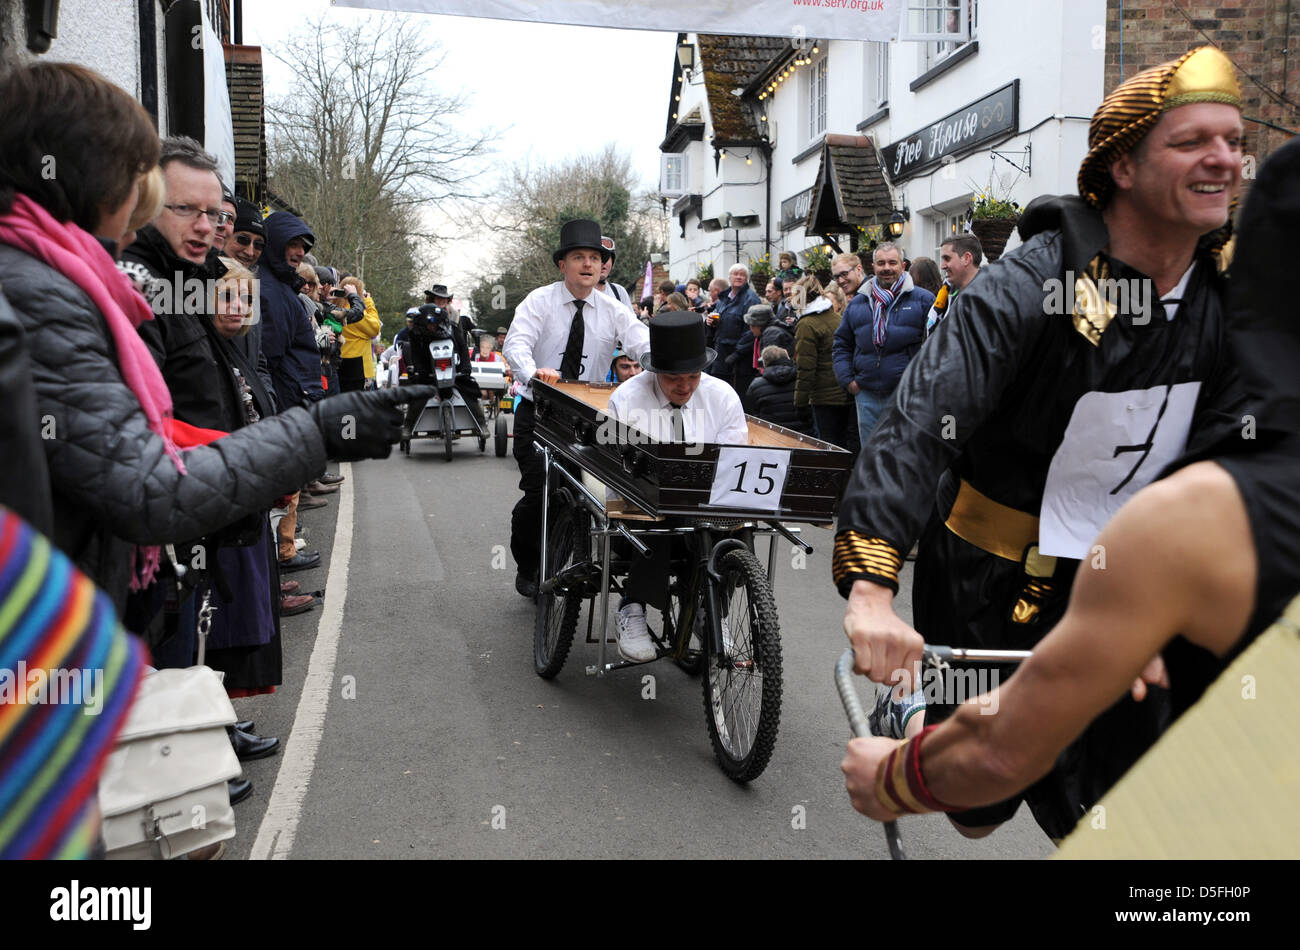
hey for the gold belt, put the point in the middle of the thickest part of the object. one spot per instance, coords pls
(991, 526)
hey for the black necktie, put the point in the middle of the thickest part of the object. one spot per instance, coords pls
(678, 422)
(571, 364)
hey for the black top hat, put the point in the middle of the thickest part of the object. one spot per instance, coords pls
(677, 343)
(581, 234)
(439, 290)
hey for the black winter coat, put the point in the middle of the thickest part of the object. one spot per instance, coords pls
(771, 398)
(25, 488)
(112, 483)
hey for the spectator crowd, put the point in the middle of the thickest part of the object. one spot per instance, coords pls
(179, 370)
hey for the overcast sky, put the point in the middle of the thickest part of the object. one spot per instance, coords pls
(518, 78)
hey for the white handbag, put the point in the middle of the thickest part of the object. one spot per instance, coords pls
(163, 790)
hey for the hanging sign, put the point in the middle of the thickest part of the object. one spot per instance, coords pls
(876, 20)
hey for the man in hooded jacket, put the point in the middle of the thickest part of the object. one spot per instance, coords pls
(288, 337)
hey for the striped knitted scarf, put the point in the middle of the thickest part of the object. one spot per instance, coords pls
(68, 675)
(882, 301)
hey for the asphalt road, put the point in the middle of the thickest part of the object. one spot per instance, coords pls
(431, 736)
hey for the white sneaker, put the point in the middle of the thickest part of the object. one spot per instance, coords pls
(634, 641)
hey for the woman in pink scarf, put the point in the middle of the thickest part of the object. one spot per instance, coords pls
(72, 159)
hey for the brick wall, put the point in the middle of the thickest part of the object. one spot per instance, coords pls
(244, 81)
(1254, 33)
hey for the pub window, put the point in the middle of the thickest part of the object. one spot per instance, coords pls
(817, 99)
(876, 76)
(672, 176)
(945, 226)
(941, 27)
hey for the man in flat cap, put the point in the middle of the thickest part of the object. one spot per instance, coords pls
(1079, 365)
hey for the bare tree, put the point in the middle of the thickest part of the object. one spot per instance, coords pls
(366, 142)
(532, 202)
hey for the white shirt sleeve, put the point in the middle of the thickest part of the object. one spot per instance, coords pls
(734, 428)
(525, 330)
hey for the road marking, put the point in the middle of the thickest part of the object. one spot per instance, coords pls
(280, 823)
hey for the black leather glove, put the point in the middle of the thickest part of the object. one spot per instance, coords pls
(364, 425)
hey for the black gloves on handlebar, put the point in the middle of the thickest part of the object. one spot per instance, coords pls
(363, 425)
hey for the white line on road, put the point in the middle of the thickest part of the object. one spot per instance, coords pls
(280, 823)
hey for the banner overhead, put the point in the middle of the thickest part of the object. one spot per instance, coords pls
(877, 20)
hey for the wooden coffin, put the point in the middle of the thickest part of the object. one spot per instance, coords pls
(781, 475)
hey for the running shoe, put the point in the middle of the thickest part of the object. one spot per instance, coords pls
(890, 718)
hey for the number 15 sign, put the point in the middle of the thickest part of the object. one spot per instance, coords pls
(749, 478)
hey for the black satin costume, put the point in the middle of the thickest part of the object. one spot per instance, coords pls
(987, 401)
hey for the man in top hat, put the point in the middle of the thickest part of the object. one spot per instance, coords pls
(674, 400)
(607, 286)
(565, 330)
(1076, 368)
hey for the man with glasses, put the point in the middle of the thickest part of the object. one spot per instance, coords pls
(174, 248)
(225, 222)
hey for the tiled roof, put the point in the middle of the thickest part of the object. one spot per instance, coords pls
(732, 62)
(850, 169)
(244, 80)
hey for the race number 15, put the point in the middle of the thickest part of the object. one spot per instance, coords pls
(750, 478)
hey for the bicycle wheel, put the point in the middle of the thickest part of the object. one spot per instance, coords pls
(448, 429)
(502, 436)
(568, 543)
(742, 685)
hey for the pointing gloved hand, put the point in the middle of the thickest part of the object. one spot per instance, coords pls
(363, 425)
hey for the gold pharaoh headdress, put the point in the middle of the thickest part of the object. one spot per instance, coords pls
(1135, 106)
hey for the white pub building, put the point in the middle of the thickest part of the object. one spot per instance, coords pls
(796, 144)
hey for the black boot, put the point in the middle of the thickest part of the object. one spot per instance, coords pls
(239, 788)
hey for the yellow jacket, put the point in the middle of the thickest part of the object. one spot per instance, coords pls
(357, 337)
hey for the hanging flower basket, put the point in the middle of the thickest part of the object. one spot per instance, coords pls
(993, 234)
(759, 283)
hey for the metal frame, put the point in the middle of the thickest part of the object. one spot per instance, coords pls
(606, 528)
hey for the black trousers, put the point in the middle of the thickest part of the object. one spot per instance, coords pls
(838, 425)
(526, 518)
(963, 596)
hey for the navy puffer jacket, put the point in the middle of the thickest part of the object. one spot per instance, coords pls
(856, 357)
(288, 333)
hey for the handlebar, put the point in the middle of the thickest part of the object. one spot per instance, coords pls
(933, 655)
(858, 723)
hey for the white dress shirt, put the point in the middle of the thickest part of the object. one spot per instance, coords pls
(713, 414)
(540, 332)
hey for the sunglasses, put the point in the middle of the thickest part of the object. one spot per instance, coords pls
(243, 240)
(842, 274)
